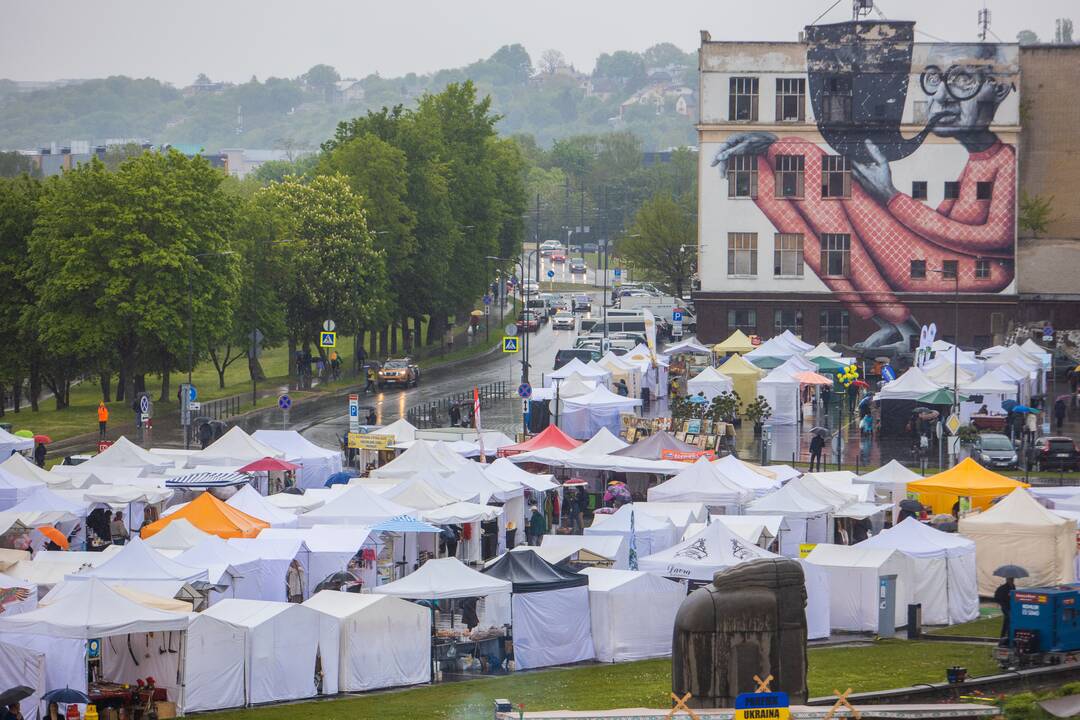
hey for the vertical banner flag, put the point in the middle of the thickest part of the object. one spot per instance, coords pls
(476, 422)
(633, 543)
(650, 334)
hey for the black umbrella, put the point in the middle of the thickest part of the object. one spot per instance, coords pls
(822, 431)
(15, 694)
(911, 505)
(293, 490)
(338, 581)
(1011, 571)
(67, 696)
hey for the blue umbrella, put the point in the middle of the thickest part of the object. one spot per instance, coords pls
(338, 478)
(67, 696)
(1023, 409)
(697, 399)
(1008, 405)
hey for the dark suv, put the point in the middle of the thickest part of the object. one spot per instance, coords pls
(1055, 453)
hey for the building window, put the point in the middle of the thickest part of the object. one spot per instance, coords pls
(745, 320)
(983, 190)
(918, 190)
(789, 176)
(997, 323)
(836, 255)
(982, 269)
(790, 99)
(742, 253)
(983, 341)
(837, 105)
(742, 176)
(743, 98)
(949, 269)
(918, 269)
(835, 177)
(788, 255)
(834, 326)
(920, 111)
(952, 190)
(788, 320)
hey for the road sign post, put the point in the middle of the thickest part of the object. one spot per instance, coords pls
(327, 339)
(284, 402)
(354, 413)
(524, 391)
(510, 345)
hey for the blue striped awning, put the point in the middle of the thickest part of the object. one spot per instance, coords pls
(208, 480)
(405, 523)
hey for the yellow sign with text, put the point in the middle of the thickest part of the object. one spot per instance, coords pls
(805, 549)
(370, 441)
(766, 713)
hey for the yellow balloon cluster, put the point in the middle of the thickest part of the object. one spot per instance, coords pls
(849, 375)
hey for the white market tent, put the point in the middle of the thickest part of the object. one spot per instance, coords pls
(91, 610)
(356, 505)
(912, 385)
(795, 341)
(890, 482)
(444, 578)
(249, 577)
(808, 517)
(235, 448)
(774, 347)
(701, 482)
(26, 667)
(557, 548)
(13, 443)
(602, 443)
(275, 555)
(460, 513)
(761, 530)
(780, 389)
(15, 490)
(176, 537)
(710, 383)
(248, 500)
(821, 350)
(994, 389)
(688, 346)
(854, 575)
(942, 372)
(125, 454)
(316, 463)
(421, 456)
(583, 416)
(575, 366)
(381, 641)
(700, 556)
(328, 549)
(759, 481)
(616, 596)
(17, 464)
(503, 469)
(681, 514)
(651, 534)
(246, 652)
(1020, 531)
(140, 567)
(818, 601)
(419, 494)
(401, 429)
(944, 565)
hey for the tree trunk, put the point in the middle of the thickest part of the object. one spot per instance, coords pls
(371, 345)
(105, 380)
(383, 337)
(35, 382)
(358, 348)
(16, 394)
(3, 398)
(292, 356)
(255, 368)
(139, 384)
(393, 338)
(435, 329)
(166, 386)
(121, 383)
(418, 339)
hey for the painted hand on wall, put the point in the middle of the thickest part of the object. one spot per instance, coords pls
(875, 176)
(746, 143)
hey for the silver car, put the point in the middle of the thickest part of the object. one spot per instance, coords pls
(994, 450)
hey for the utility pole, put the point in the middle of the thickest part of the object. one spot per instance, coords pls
(537, 238)
(984, 23)
(581, 227)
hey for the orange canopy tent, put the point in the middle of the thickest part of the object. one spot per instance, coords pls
(966, 479)
(211, 515)
(551, 437)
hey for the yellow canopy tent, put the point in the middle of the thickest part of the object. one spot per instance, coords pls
(737, 342)
(744, 376)
(967, 479)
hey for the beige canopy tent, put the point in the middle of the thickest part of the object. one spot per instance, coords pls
(1020, 531)
(737, 342)
(744, 376)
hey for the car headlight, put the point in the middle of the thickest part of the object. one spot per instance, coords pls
(1013, 459)
(985, 457)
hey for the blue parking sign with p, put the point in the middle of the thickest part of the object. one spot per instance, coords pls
(676, 315)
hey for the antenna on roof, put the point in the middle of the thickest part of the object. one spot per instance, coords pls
(984, 23)
(861, 8)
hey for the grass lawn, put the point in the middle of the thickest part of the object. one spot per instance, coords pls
(986, 626)
(877, 666)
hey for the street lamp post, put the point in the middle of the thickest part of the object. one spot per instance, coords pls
(191, 334)
(523, 268)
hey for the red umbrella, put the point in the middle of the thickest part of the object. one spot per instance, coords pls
(268, 464)
(859, 384)
(575, 482)
(42, 439)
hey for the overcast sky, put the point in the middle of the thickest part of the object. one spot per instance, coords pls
(235, 39)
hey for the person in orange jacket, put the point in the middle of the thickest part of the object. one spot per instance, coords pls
(102, 419)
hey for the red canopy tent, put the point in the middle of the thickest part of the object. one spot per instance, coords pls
(551, 437)
(268, 464)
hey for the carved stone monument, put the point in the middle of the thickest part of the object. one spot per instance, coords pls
(750, 621)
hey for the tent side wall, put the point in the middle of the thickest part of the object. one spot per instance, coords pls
(1049, 557)
(552, 627)
(215, 668)
(381, 649)
(282, 657)
(619, 639)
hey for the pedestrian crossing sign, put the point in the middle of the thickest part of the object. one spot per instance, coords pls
(328, 339)
(510, 344)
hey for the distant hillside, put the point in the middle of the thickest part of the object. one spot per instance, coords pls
(653, 94)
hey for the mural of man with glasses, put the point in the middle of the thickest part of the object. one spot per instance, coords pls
(973, 226)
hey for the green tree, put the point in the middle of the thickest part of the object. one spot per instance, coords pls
(1027, 37)
(334, 270)
(626, 67)
(14, 164)
(664, 54)
(515, 58)
(123, 262)
(322, 78)
(20, 355)
(661, 245)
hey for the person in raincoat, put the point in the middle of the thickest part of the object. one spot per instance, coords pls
(537, 526)
(102, 420)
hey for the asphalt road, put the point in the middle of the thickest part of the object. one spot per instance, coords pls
(325, 422)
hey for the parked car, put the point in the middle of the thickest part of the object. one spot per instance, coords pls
(994, 450)
(1055, 453)
(578, 267)
(583, 303)
(528, 321)
(539, 306)
(563, 321)
(590, 247)
(402, 372)
(585, 355)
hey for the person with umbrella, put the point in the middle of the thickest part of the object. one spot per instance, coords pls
(1003, 595)
(1061, 409)
(1031, 427)
(39, 452)
(817, 444)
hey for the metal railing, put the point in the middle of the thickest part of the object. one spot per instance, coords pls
(436, 413)
(221, 408)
